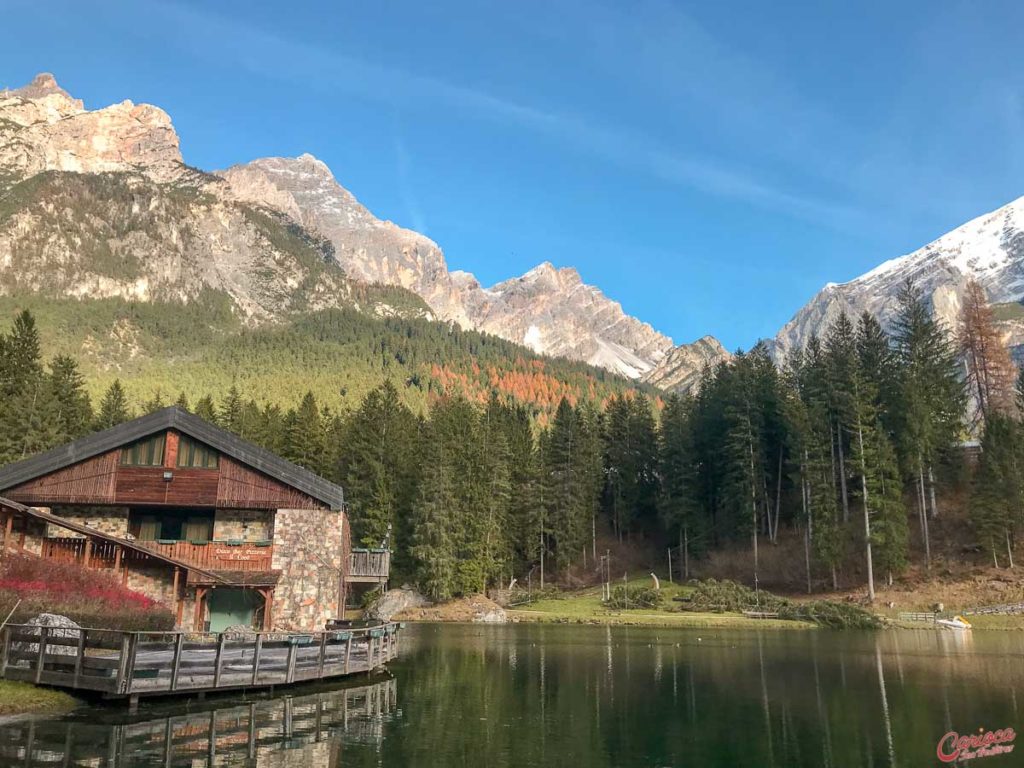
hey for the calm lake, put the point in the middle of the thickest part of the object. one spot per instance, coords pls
(566, 696)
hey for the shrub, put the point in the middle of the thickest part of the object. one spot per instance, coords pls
(88, 597)
(711, 595)
(634, 597)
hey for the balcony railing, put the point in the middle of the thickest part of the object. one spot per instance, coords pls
(217, 555)
(369, 565)
(208, 555)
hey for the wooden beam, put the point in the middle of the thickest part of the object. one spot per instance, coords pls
(87, 552)
(117, 558)
(7, 531)
(198, 624)
(44, 633)
(256, 657)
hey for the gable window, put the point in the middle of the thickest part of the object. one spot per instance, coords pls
(194, 454)
(148, 452)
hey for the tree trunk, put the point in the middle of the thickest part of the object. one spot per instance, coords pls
(835, 581)
(842, 476)
(753, 505)
(924, 518)
(778, 496)
(867, 516)
(1009, 549)
(931, 492)
(686, 554)
(807, 530)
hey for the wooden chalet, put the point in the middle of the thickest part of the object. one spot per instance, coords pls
(220, 530)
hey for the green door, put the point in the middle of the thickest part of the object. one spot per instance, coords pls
(230, 607)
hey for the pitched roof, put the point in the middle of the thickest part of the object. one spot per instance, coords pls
(186, 423)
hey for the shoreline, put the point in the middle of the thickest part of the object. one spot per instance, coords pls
(18, 699)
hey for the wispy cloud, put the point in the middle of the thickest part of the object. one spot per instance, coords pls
(299, 64)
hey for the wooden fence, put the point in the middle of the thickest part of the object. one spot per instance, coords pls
(131, 664)
(369, 565)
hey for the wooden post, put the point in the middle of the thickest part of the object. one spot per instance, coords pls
(133, 652)
(323, 655)
(122, 663)
(5, 652)
(117, 558)
(44, 633)
(79, 656)
(87, 552)
(176, 663)
(256, 657)
(217, 660)
(289, 673)
(348, 651)
(8, 530)
(252, 730)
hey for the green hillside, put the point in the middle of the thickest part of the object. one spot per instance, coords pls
(338, 354)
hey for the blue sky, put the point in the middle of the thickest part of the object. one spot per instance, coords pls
(709, 165)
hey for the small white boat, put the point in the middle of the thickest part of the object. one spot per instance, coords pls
(957, 622)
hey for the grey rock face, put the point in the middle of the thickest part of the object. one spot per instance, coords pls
(989, 249)
(277, 235)
(681, 369)
(395, 601)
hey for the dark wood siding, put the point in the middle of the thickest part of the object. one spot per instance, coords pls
(244, 488)
(146, 485)
(104, 480)
(88, 482)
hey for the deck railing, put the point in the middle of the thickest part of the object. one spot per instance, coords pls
(141, 663)
(211, 555)
(218, 555)
(369, 564)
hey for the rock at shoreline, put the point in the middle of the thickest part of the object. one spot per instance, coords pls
(59, 626)
(396, 601)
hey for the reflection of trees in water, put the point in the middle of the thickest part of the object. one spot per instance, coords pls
(307, 730)
(640, 696)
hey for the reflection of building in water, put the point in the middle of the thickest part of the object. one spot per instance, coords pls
(310, 730)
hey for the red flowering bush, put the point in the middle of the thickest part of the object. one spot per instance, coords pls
(89, 597)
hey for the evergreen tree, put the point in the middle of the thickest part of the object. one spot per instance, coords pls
(113, 407)
(379, 467)
(677, 469)
(182, 401)
(230, 415)
(74, 414)
(931, 397)
(206, 410)
(304, 435)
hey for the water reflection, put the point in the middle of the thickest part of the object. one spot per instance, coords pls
(537, 696)
(303, 730)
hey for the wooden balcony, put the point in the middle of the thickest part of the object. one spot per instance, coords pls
(211, 555)
(369, 566)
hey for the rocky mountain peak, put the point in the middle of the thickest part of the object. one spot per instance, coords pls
(989, 249)
(42, 128)
(44, 84)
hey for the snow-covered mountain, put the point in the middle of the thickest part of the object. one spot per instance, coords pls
(989, 249)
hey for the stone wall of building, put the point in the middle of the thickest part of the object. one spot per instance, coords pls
(112, 521)
(243, 525)
(309, 546)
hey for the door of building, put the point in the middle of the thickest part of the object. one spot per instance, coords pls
(231, 607)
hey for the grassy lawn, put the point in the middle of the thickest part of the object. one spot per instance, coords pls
(585, 607)
(20, 698)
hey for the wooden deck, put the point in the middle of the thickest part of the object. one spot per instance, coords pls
(290, 730)
(133, 664)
